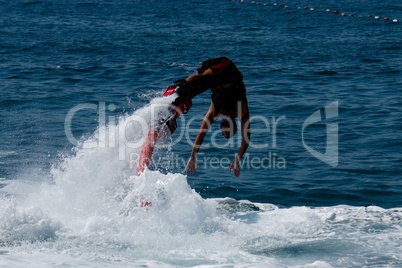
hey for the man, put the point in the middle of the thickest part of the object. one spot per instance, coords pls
(228, 101)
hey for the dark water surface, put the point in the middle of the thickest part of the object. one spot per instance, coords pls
(115, 57)
(55, 55)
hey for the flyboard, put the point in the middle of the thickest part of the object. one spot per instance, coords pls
(167, 125)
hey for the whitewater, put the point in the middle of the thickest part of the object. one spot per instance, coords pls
(85, 212)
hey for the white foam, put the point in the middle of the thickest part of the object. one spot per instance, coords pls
(89, 215)
(181, 228)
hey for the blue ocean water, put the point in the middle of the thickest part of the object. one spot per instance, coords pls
(72, 203)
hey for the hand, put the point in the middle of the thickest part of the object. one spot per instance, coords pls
(191, 165)
(235, 167)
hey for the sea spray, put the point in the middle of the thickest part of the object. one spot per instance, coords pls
(92, 191)
(86, 212)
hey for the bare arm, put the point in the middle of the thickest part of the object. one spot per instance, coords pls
(209, 118)
(245, 132)
(206, 123)
(245, 128)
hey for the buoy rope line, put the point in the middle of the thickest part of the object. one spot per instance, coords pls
(312, 9)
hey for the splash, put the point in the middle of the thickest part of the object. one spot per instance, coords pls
(95, 188)
(89, 213)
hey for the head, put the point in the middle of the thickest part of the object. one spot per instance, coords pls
(228, 127)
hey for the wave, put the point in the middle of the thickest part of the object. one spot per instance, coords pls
(105, 225)
(95, 212)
